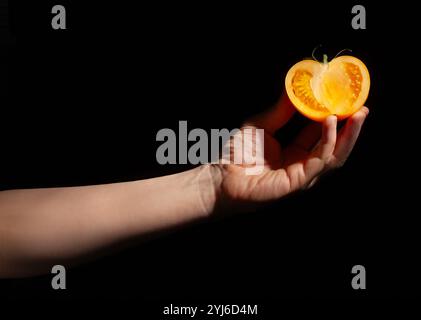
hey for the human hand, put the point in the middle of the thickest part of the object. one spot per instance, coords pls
(317, 149)
(102, 216)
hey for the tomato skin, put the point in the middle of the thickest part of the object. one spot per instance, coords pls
(339, 87)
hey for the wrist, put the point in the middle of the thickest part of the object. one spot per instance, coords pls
(209, 181)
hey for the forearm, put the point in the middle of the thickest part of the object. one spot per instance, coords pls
(41, 227)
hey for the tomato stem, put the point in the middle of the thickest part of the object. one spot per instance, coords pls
(343, 50)
(325, 59)
(314, 51)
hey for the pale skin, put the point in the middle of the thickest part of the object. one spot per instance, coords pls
(43, 227)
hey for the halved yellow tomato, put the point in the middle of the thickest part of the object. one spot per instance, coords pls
(319, 89)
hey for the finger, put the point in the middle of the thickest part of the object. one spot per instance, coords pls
(275, 117)
(313, 182)
(348, 135)
(284, 110)
(301, 173)
(328, 140)
(308, 137)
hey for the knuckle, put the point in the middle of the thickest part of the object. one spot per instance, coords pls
(335, 163)
(339, 164)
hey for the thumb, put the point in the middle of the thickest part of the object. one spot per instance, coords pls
(275, 117)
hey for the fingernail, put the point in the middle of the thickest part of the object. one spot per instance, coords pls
(331, 116)
(367, 110)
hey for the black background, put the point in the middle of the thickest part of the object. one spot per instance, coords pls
(84, 106)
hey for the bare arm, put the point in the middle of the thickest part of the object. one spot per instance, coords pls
(43, 227)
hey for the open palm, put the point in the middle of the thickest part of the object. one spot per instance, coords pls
(317, 149)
